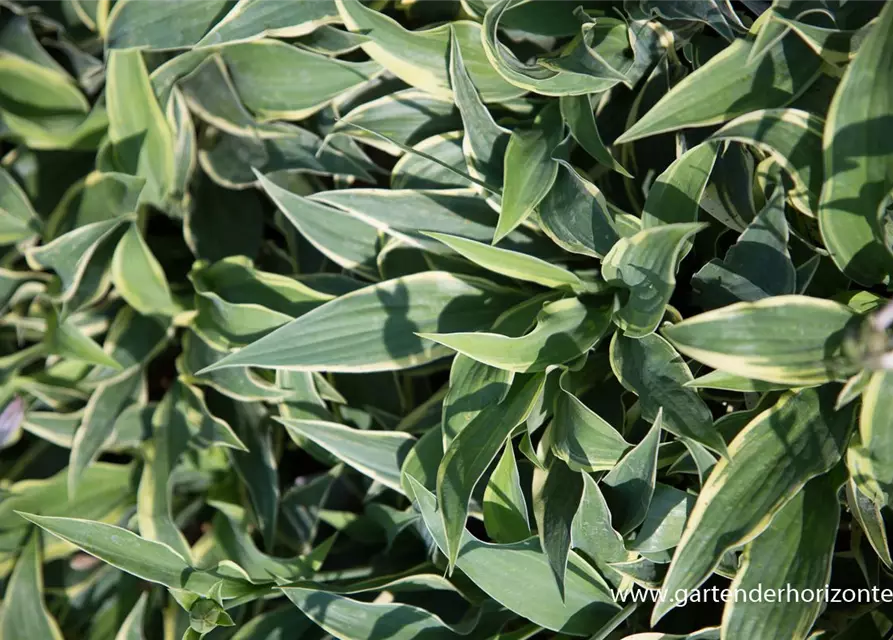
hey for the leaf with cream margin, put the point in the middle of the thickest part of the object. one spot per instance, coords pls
(564, 330)
(421, 58)
(471, 452)
(580, 436)
(802, 436)
(24, 614)
(785, 556)
(646, 265)
(529, 168)
(518, 577)
(858, 178)
(376, 328)
(804, 347)
(652, 369)
(729, 85)
(152, 561)
(376, 454)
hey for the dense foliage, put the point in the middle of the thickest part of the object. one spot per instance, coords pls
(329, 318)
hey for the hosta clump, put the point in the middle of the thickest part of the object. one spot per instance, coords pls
(492, 319)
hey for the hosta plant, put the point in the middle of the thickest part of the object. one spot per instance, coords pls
(414, 320)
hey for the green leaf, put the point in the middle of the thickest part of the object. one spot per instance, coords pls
(769, 462)
(580, 436)
(376, 454)
(564, 330)
(24, 613)
(64, 338)
(98, 425)
(505, 507)
(576, 215)
(132, 627)
(483, 141)
(473, 387)
(803, 348)
(654, 371)
(629, 486)
(138, 25)
(529, 169)
(593, 533)
(518, 576)
(646, 264)
(665, 520)
(729, 85)
(421, 58)
(578, 114)
(793, 139)
(251, 19)
(757, 266)
(18, 220)
(139, 277)
(256, 66)
(868, 514)
(677, 192)
(471, 452)
(857, 181)
(375, 328)
(138, 130)
(876, 473)
(783, 558)
(556, 498)
(145, 559)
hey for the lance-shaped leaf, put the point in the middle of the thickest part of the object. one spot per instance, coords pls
(757, 266)
(858, 171)
(564, 330)
(139, 25)
(665, 520)
(580, 118)
(69, 255)
(719, 14)
(152, 561)
(347, 618)
(580, 436)
(409, 215)
(66, 339)
(138, 276)
(576, 215)
(505, 507)
(769, 462)
(251, 19)
(256, 66)
(535, 77)
(24, 614)
(529, 168)
(629, 486)
(103, 409)
(511, 263)
(518, 577)
(375, 328)
(593, 534)
(730, 85)
(793, 138)
(421, 58)
(141, 135)
(472, 451)
(557, 492)
(132, 626)
(170, 437)
(473, 387)
(653, 370)
(18, 220)
(803, 347)
(868, 514)
(399, 119)
(484, 141)
(376, 454)
(786, 557)
(646, 264)
(875, 418)
(676, 193)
